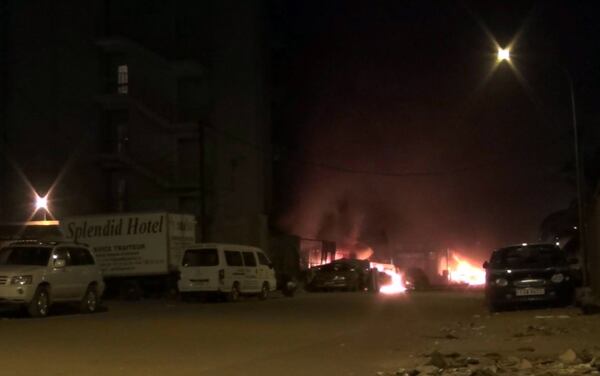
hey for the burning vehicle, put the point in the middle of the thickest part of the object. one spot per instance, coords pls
(416, 279)
(450, 268)
(528, 273)
(347, 268)
(355, 275)
(343, 274)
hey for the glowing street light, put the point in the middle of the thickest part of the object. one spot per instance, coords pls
(503, 54)
(41, 203)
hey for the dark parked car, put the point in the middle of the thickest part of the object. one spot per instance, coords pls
(528, 273)
(335, 276)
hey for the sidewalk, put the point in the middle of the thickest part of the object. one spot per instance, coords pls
(531, 342)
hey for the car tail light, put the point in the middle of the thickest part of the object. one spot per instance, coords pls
(221, 275)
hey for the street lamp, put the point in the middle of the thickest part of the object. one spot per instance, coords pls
(41, 203)
(504, 55)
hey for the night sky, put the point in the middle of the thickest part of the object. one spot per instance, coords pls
(399, 130)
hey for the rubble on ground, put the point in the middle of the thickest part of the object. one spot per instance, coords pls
(540, 330)
(569, 362)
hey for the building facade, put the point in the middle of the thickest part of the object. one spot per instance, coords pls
(138, 105)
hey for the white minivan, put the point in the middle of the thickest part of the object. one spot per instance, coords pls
(228, 269)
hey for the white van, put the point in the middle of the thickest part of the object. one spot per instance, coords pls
(228, 269)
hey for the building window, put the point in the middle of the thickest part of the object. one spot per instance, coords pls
(123, 79)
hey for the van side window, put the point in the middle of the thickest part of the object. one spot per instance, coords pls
(201, 257)
(233, 258)
(262, 259)
(249, 259)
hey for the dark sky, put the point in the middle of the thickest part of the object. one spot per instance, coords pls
(402, 133)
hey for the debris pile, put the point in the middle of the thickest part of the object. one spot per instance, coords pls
(539, 330)
(586, 362)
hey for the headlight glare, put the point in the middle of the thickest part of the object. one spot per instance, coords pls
(21, 280)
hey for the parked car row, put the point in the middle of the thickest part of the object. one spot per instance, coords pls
(35, 274)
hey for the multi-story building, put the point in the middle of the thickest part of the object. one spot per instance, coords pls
(137, 105)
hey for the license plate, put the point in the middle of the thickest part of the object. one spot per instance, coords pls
(530, 291)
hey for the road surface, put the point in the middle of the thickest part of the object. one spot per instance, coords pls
(311, 334)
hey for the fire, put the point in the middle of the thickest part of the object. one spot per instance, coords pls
(394, 283)
(396, 286)
(463, 270)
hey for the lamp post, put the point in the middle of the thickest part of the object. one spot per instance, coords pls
(504, 55)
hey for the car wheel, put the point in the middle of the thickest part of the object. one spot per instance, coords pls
(264, 291)
(289, 289)
(90, 301)
(234, 294)
(40, 304)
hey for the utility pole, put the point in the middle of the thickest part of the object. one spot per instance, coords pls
(504, 55)
(4, 97)
(579, 176)
(201, 211)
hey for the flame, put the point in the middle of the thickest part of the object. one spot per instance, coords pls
(397, 284)
(463, 270)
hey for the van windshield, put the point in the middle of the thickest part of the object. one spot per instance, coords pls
(25, 256)
(201, 257)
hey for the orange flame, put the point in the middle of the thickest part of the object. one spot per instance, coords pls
(463, 270)
(396, 286)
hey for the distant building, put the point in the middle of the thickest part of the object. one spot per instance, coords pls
(137, 105)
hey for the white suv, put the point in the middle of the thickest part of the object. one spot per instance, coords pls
(36, 274)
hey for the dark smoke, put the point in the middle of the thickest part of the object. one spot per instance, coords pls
(381, 96)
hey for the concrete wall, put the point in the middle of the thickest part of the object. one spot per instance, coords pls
(241, 122)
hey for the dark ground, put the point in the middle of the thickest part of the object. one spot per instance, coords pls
(311, 334)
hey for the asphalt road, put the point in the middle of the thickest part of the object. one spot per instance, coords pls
(310, 334)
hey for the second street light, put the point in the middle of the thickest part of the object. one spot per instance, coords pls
(504, 55)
